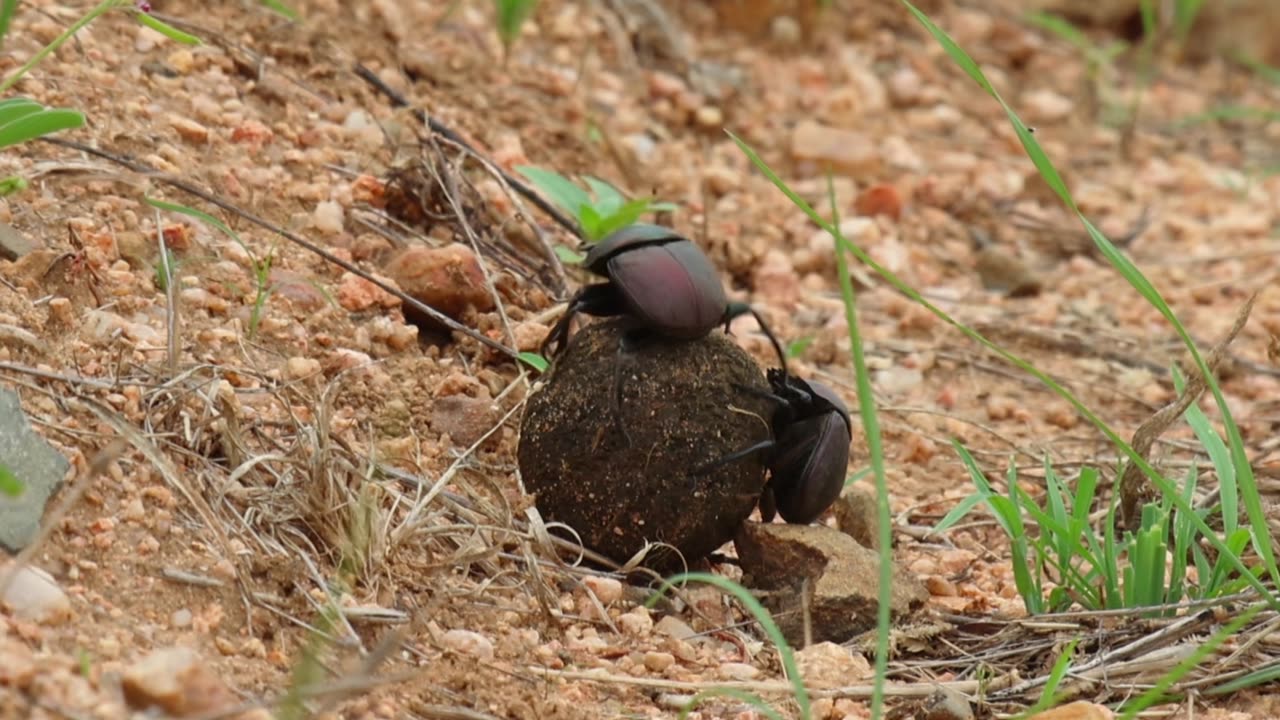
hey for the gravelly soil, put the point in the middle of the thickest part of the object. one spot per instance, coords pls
(269, 116)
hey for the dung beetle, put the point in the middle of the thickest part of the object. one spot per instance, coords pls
(658, 278)
(662, 283)
(809, 451)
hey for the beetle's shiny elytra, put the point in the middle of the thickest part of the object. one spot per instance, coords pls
(654, 275)
(807, 471)
(808, 453)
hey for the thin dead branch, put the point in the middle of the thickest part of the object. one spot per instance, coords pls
(190, 188)
(1134, 487)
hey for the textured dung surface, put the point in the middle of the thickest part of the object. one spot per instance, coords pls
(680, 409)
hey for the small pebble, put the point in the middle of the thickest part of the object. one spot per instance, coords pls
(180, 619)
(469, 643)
(607, 590)
(33, 595)
(636, 623)
(785, 30)
(658, 661)
(329, 217)
(738, 671)
(709, 117)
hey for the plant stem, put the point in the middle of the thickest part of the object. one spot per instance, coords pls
(44, 52)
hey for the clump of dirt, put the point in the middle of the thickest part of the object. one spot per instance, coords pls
(680, 408)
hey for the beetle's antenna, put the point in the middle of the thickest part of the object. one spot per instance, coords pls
(734, 309)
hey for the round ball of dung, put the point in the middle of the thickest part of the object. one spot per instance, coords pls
(680, 409)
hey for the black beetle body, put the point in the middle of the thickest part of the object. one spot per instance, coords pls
(809, 451)
(659, 278)
(669, 286)
(662, 283)
(807, 471)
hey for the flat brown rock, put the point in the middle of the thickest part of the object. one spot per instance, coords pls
(843, 579)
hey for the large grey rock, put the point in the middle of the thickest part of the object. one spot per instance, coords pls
(843, 580)
(36, 465)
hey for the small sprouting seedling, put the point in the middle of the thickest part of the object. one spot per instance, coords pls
(261, 268)
(797, 347)
(1099, 62)
(139, 9)
(534, 360)
(10, 485)
(165, 270)
(85, 661)
(23, 119)
(511, 17)
(800, 694)
(281, 8)
(599, 212)
(7, 9)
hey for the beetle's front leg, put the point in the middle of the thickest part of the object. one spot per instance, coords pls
(632, 338)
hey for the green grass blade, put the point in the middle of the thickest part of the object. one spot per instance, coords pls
(18, 107)
(167, 30)
(962, 508)
(871, 428)
(741, 695)
(1265, 674)
(1049, 696)
(7, 9)
(1219, 455)
(1166, 681)
(283, 9)
(39, 124)
(1144, 287)
(761, 615)
(534, 360)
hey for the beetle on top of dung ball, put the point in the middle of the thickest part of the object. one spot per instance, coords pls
(667, 290)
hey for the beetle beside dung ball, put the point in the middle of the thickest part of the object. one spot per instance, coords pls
(661, 289)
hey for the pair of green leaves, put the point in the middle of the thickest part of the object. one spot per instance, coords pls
(599, 212)
(23, 119)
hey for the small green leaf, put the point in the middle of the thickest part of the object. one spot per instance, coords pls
(39, 124)
(12, 184)
(534, 360)
(592, 223)
(797, 347)
(9, 483)
(167, 30)
(608, 199)
(7, 9)
(511, 15)
(568, 255)
(558, 189)
(18, 107)
(283, 9)
(192, 212)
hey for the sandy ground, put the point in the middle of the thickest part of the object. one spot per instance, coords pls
(233, 530)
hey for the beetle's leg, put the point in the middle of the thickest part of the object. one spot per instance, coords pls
(768, 504)
(631, 338)
(560, 331)
(600, 299)
(734, 456)
(761, 393)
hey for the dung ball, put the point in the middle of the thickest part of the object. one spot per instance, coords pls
(681, 409)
